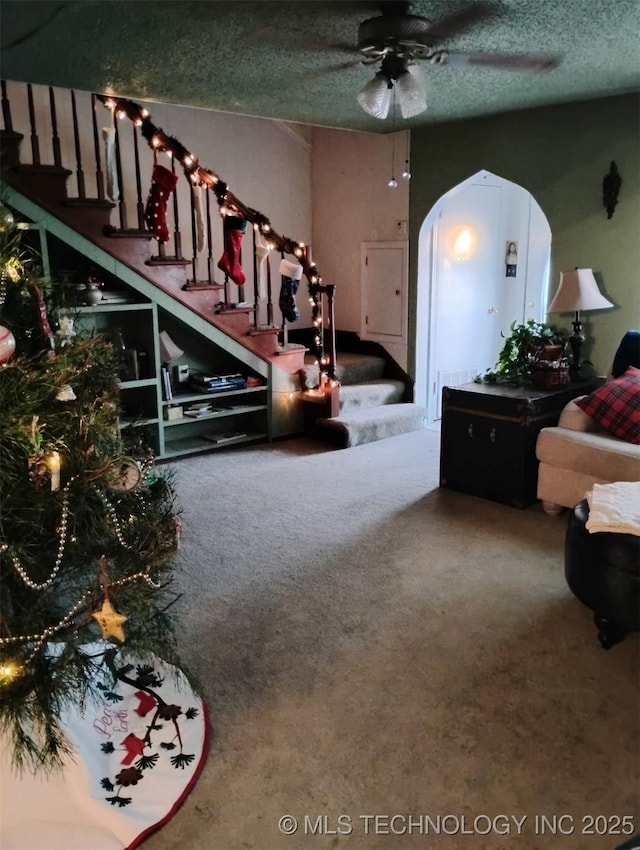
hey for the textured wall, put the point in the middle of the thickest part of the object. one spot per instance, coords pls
(560, 154)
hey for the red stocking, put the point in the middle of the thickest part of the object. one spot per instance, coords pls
(163, 183)
(234, 229)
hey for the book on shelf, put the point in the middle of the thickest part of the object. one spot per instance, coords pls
(202, 412)
(167, 391)
(216, 383)
(227, 437)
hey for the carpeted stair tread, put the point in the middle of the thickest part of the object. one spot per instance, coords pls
(369, 424)
(350, 369)
(370, 394)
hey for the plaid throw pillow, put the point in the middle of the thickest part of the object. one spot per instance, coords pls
(616, 406)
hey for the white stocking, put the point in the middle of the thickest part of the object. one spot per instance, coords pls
(113, 188)
(262, 252)
(197, 205)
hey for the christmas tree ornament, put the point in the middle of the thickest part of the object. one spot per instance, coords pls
(124, 476)
(110, 621)
(163, 182)
(234, 228)
(7, 222)
(65, 332)
(7, 344)
(290, 274)
(52, 460)
(66, 394)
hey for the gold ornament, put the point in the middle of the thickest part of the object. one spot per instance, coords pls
(110, 621)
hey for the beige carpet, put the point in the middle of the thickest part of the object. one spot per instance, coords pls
(371, 645)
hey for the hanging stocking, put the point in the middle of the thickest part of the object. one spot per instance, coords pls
(113, 187)
(262, 252)
(197, 206)
(291, 274)
(163, 182)
(229, 262)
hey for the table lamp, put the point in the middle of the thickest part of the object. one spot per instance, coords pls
(578, 291)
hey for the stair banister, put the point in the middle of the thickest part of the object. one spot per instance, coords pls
(158, 139)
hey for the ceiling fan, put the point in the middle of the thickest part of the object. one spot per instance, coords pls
(397, 40)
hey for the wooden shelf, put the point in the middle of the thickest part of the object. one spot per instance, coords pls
(218, 414)
(179, 398)
(195, 444)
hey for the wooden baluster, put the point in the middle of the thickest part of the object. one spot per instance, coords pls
(76, 141)
(269, 301)
(121, 204)
(285, 331)
(194, 241)
(240, 288)
(210, 271)
(55, 139)
(139, 203)
(256, 302)
(6, 108)
(177, 238)
(331, 293)
(96, 149)
(226, 290)
(35, 144)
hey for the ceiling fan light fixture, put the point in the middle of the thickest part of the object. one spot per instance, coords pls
(375, 96)
(411, 95)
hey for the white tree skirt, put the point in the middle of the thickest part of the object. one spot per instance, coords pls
(136, 759)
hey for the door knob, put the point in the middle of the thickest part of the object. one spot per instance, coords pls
(397, 292)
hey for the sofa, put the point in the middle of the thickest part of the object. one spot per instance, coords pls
(597, 438)
(576, 454)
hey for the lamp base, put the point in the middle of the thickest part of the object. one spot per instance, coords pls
(575, 341)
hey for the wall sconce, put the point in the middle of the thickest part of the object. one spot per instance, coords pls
(464, 244)
(610, 189)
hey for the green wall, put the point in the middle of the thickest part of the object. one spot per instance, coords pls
(560, 154)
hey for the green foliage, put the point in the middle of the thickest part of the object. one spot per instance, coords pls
(520, 351)
(52, 540)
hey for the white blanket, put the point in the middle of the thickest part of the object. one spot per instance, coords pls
(614, 507)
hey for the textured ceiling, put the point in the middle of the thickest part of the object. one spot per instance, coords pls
(275, 59)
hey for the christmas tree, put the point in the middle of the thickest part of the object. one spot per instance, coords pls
(88, 525)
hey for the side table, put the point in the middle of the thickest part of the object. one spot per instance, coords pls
(489, 433)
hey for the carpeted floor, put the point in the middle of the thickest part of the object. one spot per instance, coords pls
(370, 645)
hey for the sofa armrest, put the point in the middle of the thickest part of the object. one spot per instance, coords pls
(575, 419)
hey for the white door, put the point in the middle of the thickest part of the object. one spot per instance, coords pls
(383, 277)
(467, 288)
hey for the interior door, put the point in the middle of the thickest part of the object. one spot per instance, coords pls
(383, 286)
(468, 288)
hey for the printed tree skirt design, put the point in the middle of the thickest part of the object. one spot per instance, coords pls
(138, 751)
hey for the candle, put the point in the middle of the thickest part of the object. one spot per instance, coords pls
(53, 464)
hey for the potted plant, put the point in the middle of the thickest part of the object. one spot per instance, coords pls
(533, 352)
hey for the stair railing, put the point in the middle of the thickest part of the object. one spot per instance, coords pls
(43, 105)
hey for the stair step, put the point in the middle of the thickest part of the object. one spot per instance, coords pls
(350, 369)
(89, 203)
(265, 331)
(126, 233)
(166, 261)
(370, 394)
(202, 286)
(370, 424)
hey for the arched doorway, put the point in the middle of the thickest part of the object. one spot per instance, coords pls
(483, 262)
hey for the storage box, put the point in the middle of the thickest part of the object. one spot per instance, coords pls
(173, 412)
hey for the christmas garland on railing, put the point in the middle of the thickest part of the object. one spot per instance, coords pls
(159, 141)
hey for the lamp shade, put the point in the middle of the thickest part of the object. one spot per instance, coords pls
(168, 349)
(411, 95)
(375, 96)
(578, 290)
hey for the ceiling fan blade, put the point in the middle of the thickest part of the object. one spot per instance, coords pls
(461, 19)
(330, 69)
(506, 61)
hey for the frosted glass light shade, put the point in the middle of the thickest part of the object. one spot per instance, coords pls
(168, 349)
(410, 95)
(578, 290)
(375, 96)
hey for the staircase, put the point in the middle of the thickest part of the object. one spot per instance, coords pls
(371, 406)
